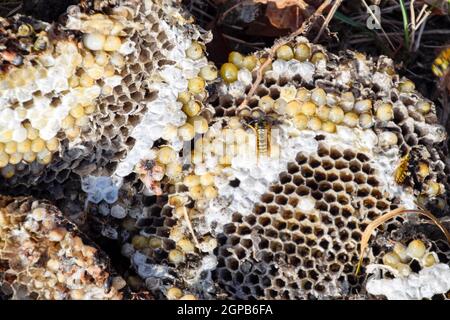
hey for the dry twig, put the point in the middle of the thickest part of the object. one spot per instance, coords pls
(305, 25)
(189, 224)
(328, 19)
(379, 23)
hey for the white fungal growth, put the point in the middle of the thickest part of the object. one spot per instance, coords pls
(165, 109)
(423, 285)
(100, 189)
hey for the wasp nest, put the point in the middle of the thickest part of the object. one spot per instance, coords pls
(89, 90)
(411, 272)
(220, 187)
(341, 127)
(355, 142)
(43, 256)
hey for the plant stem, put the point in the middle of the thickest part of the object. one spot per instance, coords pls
(405, 23)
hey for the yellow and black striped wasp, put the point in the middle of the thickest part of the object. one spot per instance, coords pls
(412, 165)
(440, 68)
(441, 63)
(261, 124)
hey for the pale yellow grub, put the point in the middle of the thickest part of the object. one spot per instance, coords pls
(303, 94)
(301, 121)
(416, 249)
(209, 72)
(169, 132)
(329, 127)
(200, 124)
(32, 133)
(73, 133)
(266, 103)
(319, 96)
(196, 85)
(89, 109)
(186, 132)
(86, 81)
(302, 52)
(336, 115)
(365, 120)
(191, 108)
(186, 245)
(29, 156)
(210, 192)
(96, 72)
(110, 70)
(166, 155)
(323, 112)
(424, 107)
(67, 123)
(8, 172)
(308, 108)
(174, 293)
(191, 181)
(351, 119)
(207, 179)
(293, 108)
(88, 60)
(195, 51)
(11, 147)
(15, 158)
(53, 144)
(112, 43)
(176, 256)
(4, 159)
(385, 112)
(288, 93)
(44, 157)
(407, 86)
(285, 52)
(391, 259)
(173, 169)
(314, 124)
(196, 192)
(102, 58)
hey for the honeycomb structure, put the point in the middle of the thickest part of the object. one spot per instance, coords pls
(301, 240)
(44, 256)
(120, 58)
(414, 264)
(347, 90)
(284, 225)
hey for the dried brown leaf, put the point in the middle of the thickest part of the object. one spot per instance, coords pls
(281, 4)
(286, 18)
(392, 214)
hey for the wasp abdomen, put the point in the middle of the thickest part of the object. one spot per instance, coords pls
(402, 170)
(262, 135)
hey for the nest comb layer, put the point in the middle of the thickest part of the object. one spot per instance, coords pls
(96, 102)
(302, 238)
(360, 87)
(44, 256)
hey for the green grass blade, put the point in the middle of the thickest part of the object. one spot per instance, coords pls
(342, 17)
(405, 23)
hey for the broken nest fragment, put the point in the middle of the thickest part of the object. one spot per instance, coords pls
(44, 256)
